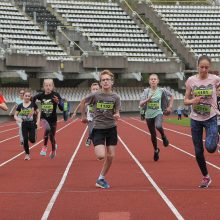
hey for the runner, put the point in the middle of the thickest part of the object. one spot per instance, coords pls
(49, 102)
(202, 88)
(26, 115)
(156, 101)
(104, 135)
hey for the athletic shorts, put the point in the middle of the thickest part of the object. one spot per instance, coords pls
(106, 137)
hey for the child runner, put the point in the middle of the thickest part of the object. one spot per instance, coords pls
(49, 102)
(218, 116)
(90, 113)
(18, 101)
(152, 98)
(25, 114)
(202, 88)
(104, 135)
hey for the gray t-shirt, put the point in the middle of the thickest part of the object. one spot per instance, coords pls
(105, 106)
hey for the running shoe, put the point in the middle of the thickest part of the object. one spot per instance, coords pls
(53, 152)
(27, 157)
(206, 181)
(219, 150)
(156, 154)
(43, 151)
(102, 183)
(88, 142)
(165, 141)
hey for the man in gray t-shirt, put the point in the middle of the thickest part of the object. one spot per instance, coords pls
(106, 106)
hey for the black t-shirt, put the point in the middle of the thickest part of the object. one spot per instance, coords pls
(48, 105)
(27, 113)
(218, 102)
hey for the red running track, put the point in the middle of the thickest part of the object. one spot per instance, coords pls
(64, 188)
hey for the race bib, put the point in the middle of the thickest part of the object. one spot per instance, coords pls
(103, 106)
(153, 105)
(202, 109)
(203, 92)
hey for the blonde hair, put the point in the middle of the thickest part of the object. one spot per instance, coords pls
(154, 74)
(94, 84)
(27, 91)
(107, 72)
(49, 81)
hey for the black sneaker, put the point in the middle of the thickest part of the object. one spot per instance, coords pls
(165, 141)
(156, 154)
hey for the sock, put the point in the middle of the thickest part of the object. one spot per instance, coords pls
(101, 177)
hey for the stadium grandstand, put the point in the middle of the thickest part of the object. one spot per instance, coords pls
(72, 41)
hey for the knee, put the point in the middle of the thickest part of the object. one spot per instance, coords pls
(100, 157)
(158, 127)
(110, 156)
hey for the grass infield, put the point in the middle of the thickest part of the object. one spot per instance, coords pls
(173, 120)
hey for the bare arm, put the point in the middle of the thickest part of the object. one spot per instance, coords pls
(16, 117)
(188, 101)
(3, 106)
(83, 110)
(145, 101)
(38, 117)
(170, 106)
(76, 110)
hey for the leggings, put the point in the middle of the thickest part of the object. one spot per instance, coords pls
(153, 124)
(49, 131)
(211, 141)
(29, 134)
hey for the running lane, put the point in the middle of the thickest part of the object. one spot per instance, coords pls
(176, 173)
(27, 186)
(131, 196)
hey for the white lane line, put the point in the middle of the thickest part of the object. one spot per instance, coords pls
(188, 135)
(177, 148)
(16, 156)
(153, 183)
(8, 124)
(62, 181)
(8, 130)
(8, 139)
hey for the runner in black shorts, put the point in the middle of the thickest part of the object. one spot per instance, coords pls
(104, 134)
(26, 115)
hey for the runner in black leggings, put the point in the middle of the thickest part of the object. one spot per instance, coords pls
(25, 114)
(152, 99)
(49, 102)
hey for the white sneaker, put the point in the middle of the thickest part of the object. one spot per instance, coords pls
(27, 157)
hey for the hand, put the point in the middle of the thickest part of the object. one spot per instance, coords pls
(84, 120)
(55, 99)
(19, 120)
(116, 116)
(197, 99)
(168, 110)
(73, 116)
